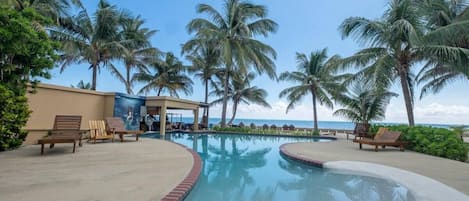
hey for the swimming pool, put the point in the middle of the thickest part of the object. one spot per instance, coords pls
(247, 167)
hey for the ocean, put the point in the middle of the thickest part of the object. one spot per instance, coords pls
(342, 125)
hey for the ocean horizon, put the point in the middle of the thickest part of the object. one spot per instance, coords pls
(342, 125)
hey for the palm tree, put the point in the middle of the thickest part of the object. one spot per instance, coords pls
(55, 9)
(241, 91)
(136, 52)
(235, 28)
(82, 85)
(397, 42)
(315, 77)
(448, 22)
(90, 39)
(205, 58)
(363, 102)
(167, 76)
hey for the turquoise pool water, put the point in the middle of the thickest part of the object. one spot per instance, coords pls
(242, 168)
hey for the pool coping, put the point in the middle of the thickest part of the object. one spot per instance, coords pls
(421, 187)
(254, 134)
(187, 184)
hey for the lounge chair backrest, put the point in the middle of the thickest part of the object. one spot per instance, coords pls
(391, 136)
(97, 128)
(115, 123)
(380, 132)
(67, 122)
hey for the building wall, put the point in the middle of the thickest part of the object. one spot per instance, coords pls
(51, 100)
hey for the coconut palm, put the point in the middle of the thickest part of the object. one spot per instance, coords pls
(90, 39)
(315, 77)
(82, 85)
(136, 52)
(241, 91)
(205, 58)
(165, 76)
(397, 43)
(235, 28)
(448, 21)
(54, 9)
(363, 102)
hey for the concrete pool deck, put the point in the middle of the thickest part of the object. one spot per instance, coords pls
(406, 167)
(145, 170)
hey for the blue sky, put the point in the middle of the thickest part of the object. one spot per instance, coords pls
(304, 26)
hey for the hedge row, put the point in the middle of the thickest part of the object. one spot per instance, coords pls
(429, 140)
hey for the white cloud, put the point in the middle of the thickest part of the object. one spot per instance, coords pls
(439, 113)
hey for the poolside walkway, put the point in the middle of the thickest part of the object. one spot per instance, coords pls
(144, 170)
(452, 173)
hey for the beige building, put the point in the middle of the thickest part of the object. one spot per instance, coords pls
(51, 100)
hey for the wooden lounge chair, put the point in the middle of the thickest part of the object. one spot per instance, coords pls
(388, 138)
(98, 131)
(66, 130)
(116, 125)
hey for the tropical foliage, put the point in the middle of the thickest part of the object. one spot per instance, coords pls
(433, 141)
(448, 22)
(25, 53)
(235, 28)
(57, 10)
(136, 51)
(82, 85)
(241, 91)
(363, 102)
(397, 43)
(165, 76)
(315, 76)
(205, 58)
(92, 39)
(14, 114)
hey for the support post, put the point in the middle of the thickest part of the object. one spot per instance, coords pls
(163, 120)
(196, 119)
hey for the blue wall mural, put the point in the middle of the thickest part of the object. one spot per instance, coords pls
(128, 108)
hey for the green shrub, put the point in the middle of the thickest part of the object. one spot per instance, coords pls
(433, 141)
(233, 129)
(14, 114)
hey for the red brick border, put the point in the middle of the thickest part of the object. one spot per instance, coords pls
(183, 189)
(301, 159)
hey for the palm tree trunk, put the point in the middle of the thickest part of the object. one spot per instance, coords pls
(127, 81)
(225, 100)
(235, 107)
(206, 99)
(95, 74)
(315, 113)
(407, 97)
(159, 91)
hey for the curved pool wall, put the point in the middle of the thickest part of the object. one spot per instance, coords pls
(246, 167)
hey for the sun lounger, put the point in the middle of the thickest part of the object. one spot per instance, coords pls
(66, 130)
(98, 131)
(388, 138)
(116, 125)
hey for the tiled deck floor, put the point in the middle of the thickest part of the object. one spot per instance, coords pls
(143, 170)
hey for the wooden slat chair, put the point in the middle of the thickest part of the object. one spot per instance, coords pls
(116, 125)
(98, 131)
(388, 138)
(66, 129)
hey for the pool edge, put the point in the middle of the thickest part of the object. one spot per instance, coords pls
(185, 186)
(420, 192)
